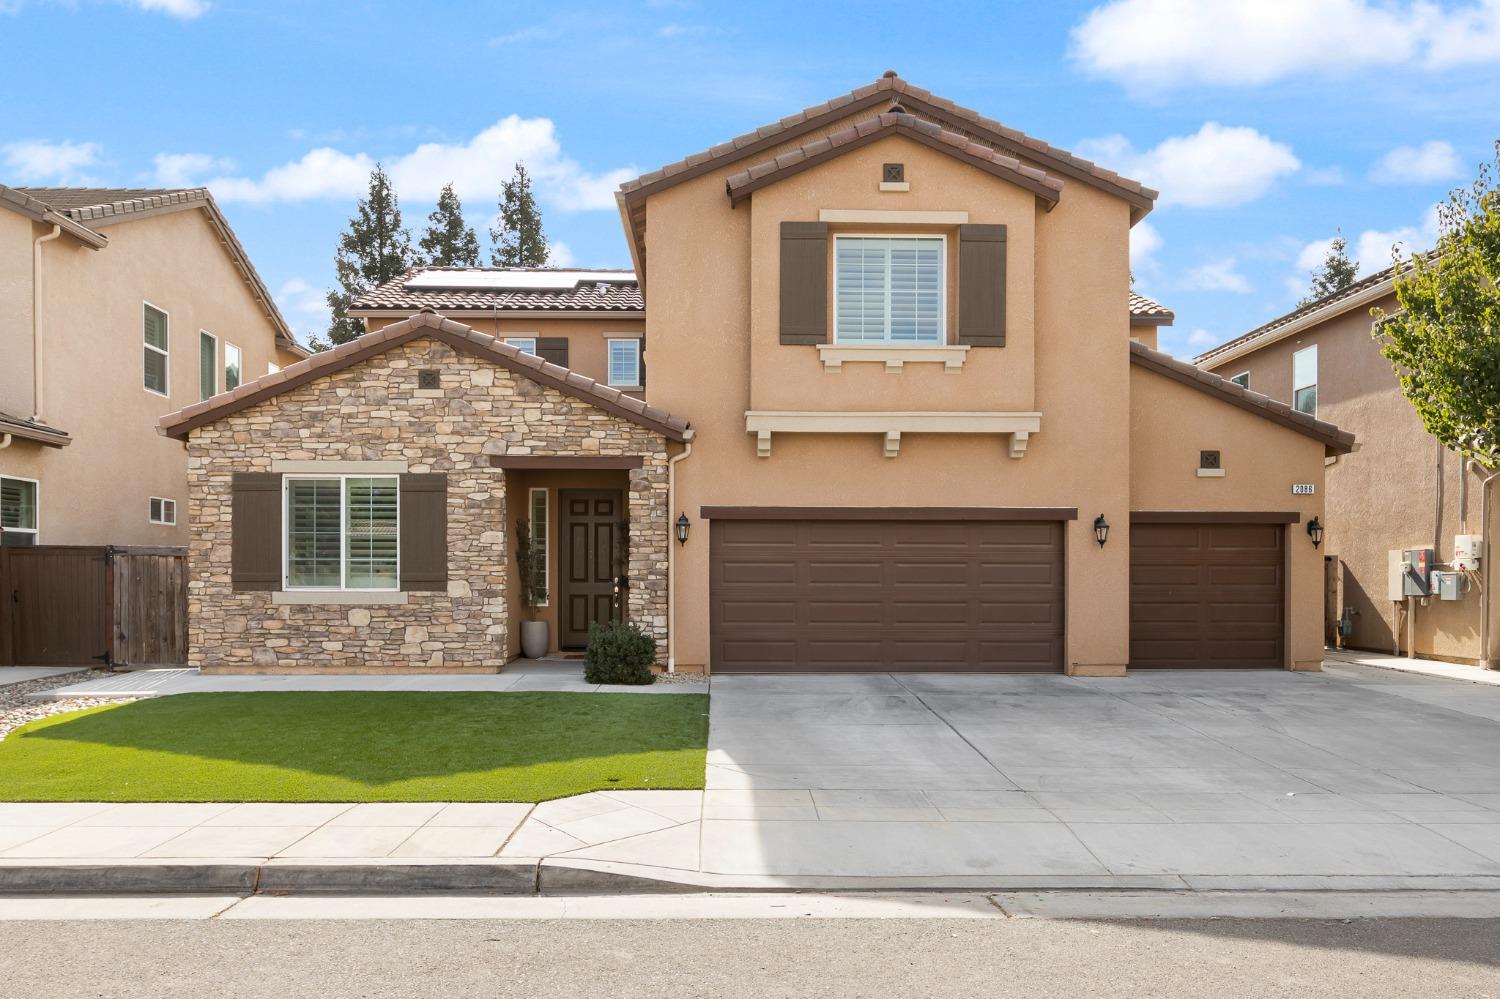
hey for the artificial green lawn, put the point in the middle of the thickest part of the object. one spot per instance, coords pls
(359, 746)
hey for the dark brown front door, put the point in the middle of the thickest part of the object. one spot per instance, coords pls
(1206, 596)
(589, 563)
(828, 596)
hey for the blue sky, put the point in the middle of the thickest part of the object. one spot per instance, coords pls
(1266, 125)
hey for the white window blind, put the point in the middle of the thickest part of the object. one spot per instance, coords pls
(343, 533)
(888, 289)
(17, 512)
(625, 363)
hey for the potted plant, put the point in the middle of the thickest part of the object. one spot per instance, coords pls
(531, 568)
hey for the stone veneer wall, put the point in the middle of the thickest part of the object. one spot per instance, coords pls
(375, 412)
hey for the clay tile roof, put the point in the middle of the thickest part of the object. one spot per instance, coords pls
(615, 292)
(456, 335)
(1143, 311)
(22, 203)
(1376, 284)
(1334, 440)
(30, 430)
(759, 175)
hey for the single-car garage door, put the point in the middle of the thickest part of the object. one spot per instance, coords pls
(1206, 595)
(791, 596)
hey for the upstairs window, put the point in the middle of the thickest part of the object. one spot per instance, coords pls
(625, 363)
(1242, 379)
(525, 344)
(889, 289)
(1305, 380)
(208, 365)
(155, 335)
(17, 511)
(342, 532)
(231, 367)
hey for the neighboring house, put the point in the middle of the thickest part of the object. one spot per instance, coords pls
(895, 415)
(122, 305)
(1401, 489)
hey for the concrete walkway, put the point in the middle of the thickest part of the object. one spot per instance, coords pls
(25, 674)
(1406, 664)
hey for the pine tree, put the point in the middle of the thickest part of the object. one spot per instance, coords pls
(448, 242)
(1335, 273)
(519, 240)
(373, 250)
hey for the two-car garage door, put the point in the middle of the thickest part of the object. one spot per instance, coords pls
(873, 595)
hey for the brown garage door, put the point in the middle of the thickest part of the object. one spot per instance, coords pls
(1205, 595)
(826, 596)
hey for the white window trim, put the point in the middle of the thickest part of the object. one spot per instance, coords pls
(167, 376)
(1312, 384)
(163, 500)
(546, 537)
(201, 335)
(1243, 374)
(942, 291)
(343, 481)
(239, 356)
(35, 532)
(531, 338)
(609, 373)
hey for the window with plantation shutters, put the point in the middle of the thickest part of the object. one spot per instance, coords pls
(342, 532)
(156, 345)
(17, 511)
(889, 289)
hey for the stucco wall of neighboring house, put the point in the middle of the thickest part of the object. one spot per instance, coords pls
(1171, 423)
(374, 412)
(1385, 495)
(699, 328)
(16, 235)
(587, 338)
(97, 490)
(1147, 335)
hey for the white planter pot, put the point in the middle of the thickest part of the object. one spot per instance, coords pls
(535, 639)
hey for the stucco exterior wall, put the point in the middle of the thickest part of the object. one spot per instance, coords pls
(1171, 423)
(97, 489)
(375, 412)
(16, 234)
(1385, 495)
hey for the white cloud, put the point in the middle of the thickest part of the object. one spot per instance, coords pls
(187, 10)
(1201, 338)
(1370, 250)
(1216, 166)
(181, 169)
(560, 254)
(476, 169)
(305, 306)
(1429, 162)
(1155, 44)
(1217, 275)
(534, 33)
(1144, 242)
(39, 161)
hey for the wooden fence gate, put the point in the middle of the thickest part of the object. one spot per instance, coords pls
(70, 605)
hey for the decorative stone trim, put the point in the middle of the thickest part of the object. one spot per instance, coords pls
(951, 356)
(346, 598)
(1017, 426)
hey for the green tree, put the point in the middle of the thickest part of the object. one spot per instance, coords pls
(1335, 273)
(518, 241)
(448, 241)
(373, 250)
(1444, 342)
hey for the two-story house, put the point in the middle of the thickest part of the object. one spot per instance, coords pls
(1401, 491)
(121, 305)
(877, 403)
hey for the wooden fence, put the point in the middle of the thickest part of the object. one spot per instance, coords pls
(73, 605)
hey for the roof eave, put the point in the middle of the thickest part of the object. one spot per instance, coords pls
(1240, 346)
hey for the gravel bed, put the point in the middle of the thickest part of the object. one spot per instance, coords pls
(698, 678)
(16, 710)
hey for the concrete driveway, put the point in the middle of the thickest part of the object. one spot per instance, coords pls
(1355, 777)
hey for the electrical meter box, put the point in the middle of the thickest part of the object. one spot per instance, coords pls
(1449, 585)
(1416, 572)
(1467, 551)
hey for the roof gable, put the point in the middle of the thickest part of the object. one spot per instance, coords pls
(1334, 440)
(1362, 292)
(454, 334)
(741, 185)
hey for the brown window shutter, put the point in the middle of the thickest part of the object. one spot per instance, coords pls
(981, 285)
(553, 350)
(255, 529)
(804, 282)
(424, 532)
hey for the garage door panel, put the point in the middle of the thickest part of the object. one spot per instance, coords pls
(887, 595)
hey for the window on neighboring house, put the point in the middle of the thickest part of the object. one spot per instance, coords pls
(889, 289)
(342, 532)
(163, 511)
(17, 511)
(525, 344)
(156, 346)
(231, 367)
(539, 540)
(1242, 379)
(625, 363)
(272, 367)
(1305, 380)
(208, 365)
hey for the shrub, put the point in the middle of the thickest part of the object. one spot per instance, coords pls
(619, 653)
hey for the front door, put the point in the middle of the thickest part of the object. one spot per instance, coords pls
(590, 562)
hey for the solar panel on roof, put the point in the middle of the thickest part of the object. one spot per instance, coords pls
(478, 280)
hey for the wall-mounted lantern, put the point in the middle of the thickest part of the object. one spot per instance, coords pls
(1101, 530)
(1315, 531)
(682, 528)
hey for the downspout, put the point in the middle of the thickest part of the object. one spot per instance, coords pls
(37, 409)
(1486, 575)
(672, 547)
